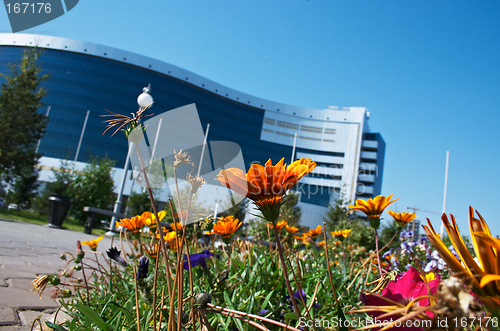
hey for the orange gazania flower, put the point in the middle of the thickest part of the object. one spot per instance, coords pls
(266, 185)
(134, 224)
(151, 219)
(402, 218)
(321, 243)
(483, 276)
(342, 233)
(305, 239)
(226, 227)
(279, 225)
(313, 233)
(291, 229)
(151, 249)
(92, 243)
(372, 208)
(170, 237)
(177, 225)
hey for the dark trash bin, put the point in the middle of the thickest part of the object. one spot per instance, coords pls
(58, 210)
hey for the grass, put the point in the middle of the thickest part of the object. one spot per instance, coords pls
(32, 217)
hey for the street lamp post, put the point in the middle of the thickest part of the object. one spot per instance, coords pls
(143, 100)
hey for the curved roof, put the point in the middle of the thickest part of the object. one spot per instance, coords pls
(114, 54)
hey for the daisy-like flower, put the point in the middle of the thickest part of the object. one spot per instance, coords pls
(151, 250)
(321, 243)
(313, 233)
(342, 233)
(305, 239)
(39, 283)
(266, 185)
(170, 240)
(151, 219)
(115, 254)
(291, 229)
(483, 276)
(402, 218)
(372, 208)
(226, 227)
(134, 224)
(92, 243)
(279, 225)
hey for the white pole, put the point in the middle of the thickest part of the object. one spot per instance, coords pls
(445, 189)
(215, 210)
(156, 141)
(203, 150)
(294, 145)
(38, 144)
(81, 135)
(120, 192)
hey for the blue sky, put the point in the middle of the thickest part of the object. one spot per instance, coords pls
(429, 72)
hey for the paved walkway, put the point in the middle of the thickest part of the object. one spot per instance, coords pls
(26, 250)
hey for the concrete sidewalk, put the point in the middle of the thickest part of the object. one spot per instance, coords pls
(27, 250)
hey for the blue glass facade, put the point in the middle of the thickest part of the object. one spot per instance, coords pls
(82, 82)
(88, 77)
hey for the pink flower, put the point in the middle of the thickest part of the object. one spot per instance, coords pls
(403, 290)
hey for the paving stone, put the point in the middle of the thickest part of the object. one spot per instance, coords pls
(27, 317)
(15, 328)
(8, 316)
(25, 299)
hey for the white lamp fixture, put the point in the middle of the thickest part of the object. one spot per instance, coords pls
(145, 98)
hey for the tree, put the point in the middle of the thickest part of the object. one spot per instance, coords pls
(337, 219)
(21, 124)
(24, 189)
(92, 187)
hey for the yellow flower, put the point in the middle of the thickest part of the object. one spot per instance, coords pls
(372, 208)
(342, 233)
(134, 224)
(92, 243)
(321, 243)
(266, 185)
(291, 229)
(226, 227)
(313, 233)
(39, 284)
(170, 240)
(151, 219)
(279, 225)
(402, 218)
(485, 276)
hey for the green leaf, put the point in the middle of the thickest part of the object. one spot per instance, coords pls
(54, 326)
(341, 317)
(125, 311)
(266, 300)
(93, 316)
(231, 306)
(291, 316)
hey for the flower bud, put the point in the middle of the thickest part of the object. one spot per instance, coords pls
(79, 251)
(54, 280)
(202, 299)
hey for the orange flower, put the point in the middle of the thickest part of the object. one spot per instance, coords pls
(313, 233)
(291, 229)
(321, 243)
(177, 225)
(151, 219)
(372, 208)
(342, 233)
(92, 243)
(402, 218)
(279, 225)
(305, 239)
(151, 250)
(169, 238)
(226, 227)
(134, 224)
(266, 185)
